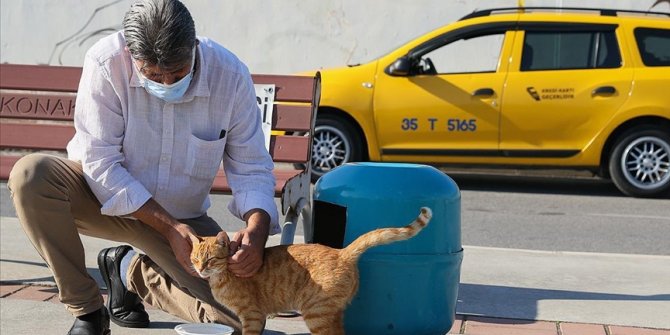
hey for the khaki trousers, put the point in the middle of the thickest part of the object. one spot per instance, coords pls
(55, 204)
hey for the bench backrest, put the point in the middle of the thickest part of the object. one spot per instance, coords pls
(37, 109)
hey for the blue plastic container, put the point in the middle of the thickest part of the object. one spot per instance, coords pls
(408, 287)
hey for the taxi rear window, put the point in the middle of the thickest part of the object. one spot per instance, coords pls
(654, 46)
(569, 50)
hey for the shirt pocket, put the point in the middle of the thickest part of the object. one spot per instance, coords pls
(203, 158)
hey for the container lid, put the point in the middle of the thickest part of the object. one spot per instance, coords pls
(203, 329)
(367, 180)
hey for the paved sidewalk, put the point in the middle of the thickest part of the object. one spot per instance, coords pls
(502, 291)
(19, 302)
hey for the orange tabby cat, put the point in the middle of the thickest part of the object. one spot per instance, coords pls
(314, 279)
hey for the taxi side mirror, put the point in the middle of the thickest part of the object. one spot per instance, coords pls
(400, 68)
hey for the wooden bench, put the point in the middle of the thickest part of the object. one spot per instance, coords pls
(37, 107)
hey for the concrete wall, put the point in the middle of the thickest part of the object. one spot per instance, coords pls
(271, 36)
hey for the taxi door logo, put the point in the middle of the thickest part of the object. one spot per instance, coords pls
(533, 93)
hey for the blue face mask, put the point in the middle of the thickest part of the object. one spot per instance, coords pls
(172, 92)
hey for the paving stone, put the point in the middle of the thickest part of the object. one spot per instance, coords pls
(581, 329)
(6, 290)
(495, 326)
(618, 330)
(40, 293)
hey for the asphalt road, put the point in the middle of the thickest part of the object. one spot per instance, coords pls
(560, 213)
(552, 213)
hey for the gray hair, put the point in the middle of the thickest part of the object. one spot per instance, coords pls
(159, 32)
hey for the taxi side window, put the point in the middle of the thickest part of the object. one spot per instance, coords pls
(654, 46)
(556, 50)
(457, 56)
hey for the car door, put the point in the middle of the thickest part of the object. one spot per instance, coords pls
(449, 104)
(566, 82)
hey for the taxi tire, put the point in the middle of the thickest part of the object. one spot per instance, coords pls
(641, 134)
(335, 126)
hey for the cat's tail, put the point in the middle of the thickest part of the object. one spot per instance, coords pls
(385, 236)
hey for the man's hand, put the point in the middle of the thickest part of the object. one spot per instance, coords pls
(181, 245)
(248, 245)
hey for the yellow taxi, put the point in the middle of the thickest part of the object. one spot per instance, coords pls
(534, 87)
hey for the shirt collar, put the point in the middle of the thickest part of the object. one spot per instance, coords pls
(199, 84)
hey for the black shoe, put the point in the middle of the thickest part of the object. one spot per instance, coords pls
(125, 307)
(96, 323)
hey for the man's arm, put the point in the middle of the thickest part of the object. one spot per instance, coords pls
(98, 142)
(248, 167)
(175, 232)
(246, 161)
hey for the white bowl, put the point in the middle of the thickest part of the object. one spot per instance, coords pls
(203, 329)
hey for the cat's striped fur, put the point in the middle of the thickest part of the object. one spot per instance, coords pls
(314, 279)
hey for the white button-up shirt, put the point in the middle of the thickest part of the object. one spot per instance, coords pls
(134, 146)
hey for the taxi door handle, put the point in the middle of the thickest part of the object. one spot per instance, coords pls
(483, 92)
(604, 90)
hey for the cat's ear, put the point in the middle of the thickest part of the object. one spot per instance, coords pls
(194, 239)
(222, 238)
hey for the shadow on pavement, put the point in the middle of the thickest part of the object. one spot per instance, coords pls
(522, 303)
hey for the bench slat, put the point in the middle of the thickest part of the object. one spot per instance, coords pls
(292, 118)
(37, 105)
(288, 88)
(220, 184)
(6, 164)
(35, 136)
(39, 77)
(289, 149)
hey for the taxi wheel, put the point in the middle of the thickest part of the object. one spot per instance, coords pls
(640, 162)
(335, 142)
